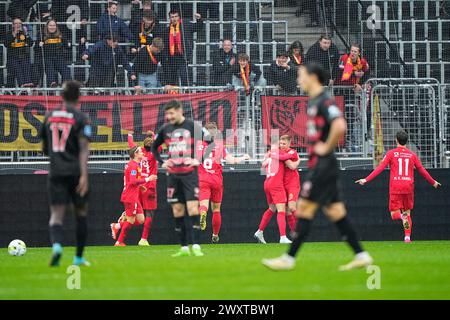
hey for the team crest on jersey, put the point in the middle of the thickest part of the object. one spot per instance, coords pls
(396, 154)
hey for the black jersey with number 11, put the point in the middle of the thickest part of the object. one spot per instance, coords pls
(60, 134)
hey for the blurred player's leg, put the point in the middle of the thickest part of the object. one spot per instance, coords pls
(192, 208)
(147, 226)
(178, 210)
(56, 232)
(407, 225)
(338, 214)
(306, 211)
(259, 234)
(216, 221)
(82, 229)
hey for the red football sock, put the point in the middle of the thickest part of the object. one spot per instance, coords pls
(407, 223)
(292, 221)
(147, 225)
(281, 219)
(125, 228)
(265, 219)
(396, 216)
(216, 222)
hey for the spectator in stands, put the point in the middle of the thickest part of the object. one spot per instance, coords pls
(283, 73)
(110, 23)
(178, 43)
(105, 57)
(296, 53)
(18, 44)
(326, 53)
(146, 64)
(139, 9)
(222, 62)
(246, 74)
(149, 29)
(353, 68)
(54, 46)
(64, 11)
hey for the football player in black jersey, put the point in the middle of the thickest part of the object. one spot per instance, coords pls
(65, 137)
(321, 190)
(181, 136)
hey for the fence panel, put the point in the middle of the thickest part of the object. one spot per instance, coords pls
(411, 108)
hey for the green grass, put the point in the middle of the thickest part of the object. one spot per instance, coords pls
(420, 270)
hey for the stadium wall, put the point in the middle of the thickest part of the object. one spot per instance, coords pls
(24, 210)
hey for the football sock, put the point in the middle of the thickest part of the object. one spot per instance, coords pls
(396, 216)
(407, 225)
(195, 231)
(301, 232)
(281, 220)
(291, 221)
(56, 233)
(265, 219)
(82, 232)
(348, 234)
(123, 233)
(180, 228)
(147, 226)
(216, 222)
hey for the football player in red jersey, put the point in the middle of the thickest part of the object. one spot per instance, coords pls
(274, 166)
(291, 180)
(148, 194)
(133, 185)
(211, 179)
(402, 163)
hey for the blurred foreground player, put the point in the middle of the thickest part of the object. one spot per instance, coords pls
(134, 185)
(65, 137)
(402, 163)
(181, 136)
(148, 194)
(326, 126)
(211, 179)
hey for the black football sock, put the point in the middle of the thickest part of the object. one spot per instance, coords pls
(349, 234)
(301, 232)
(81, 234)
(195, 221)
(56, 233)
(180, 228)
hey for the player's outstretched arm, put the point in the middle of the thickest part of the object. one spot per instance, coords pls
(424, 173)
(386, 160)
(236, 160)
(130, 140)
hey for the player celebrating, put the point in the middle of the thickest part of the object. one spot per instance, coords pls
(181, 137)
(274, 166)
(291, 182)
(326, 126)
(148, 194)
(134, 184)
(211, 179)
(402, 162)
(65, 136)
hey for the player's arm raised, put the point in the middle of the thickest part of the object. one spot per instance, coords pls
(377, 171)
(424, 173)
(130, 140)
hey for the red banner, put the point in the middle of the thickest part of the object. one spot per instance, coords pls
(111, 116)
(289, 116)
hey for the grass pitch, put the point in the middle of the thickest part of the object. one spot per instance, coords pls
(420, 270)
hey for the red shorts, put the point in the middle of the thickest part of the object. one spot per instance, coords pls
(401, 202)
(275, 194)
(292, 192)
(148, 199)
(132, 209)
(211, 190)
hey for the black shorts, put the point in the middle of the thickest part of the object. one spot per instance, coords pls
(182, 187)
(62, 190)
(321, 184)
